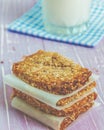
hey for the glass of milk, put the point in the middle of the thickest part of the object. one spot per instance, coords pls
(66, 16)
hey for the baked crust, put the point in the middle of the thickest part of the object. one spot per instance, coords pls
(49, 109)
(51, 72)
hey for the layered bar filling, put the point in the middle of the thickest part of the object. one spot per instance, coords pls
(54, 122)
(57, 101)
(71, 108)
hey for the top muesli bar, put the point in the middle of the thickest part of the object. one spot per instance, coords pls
(51, 72)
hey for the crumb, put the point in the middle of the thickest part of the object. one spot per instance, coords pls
(13, 48)
(1, 62)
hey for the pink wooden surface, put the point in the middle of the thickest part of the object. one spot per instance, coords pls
(13, 46)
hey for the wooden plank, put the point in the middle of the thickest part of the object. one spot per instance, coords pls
(14, 46)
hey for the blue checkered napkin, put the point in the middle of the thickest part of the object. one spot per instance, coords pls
(31, 23)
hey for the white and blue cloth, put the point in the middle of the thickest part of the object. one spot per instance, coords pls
(31, 23)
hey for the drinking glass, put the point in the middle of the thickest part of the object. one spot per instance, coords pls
(66, 17)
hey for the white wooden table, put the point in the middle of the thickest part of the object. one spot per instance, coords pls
(14, 46)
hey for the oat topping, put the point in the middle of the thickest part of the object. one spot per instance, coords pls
(51, 72)
(49, 109)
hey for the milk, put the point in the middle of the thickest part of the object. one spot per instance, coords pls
(63, 15)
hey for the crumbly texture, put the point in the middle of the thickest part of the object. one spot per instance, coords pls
(76, 96)
(68, 120)
(51, 72)
(49, 109)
